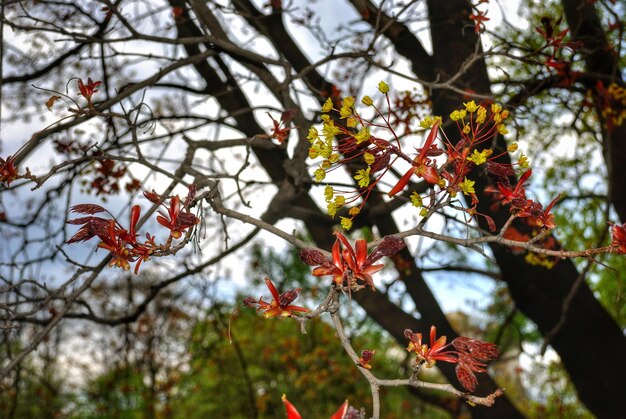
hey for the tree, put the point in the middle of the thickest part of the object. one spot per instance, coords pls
(220, 98)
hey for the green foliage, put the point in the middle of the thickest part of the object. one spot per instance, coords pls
(37, 393)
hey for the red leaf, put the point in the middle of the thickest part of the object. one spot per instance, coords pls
(83, 234)
(404, 180)
(492, 224)
(341, 412)
(87, 209)
(466, 377)
(292, 412)
(272, 288)
(81, 220)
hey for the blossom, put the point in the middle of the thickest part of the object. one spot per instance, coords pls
(8, 171)
(458, 114)
(467, 186)
(481, 115)
(121, 243)
(470, 106)
(416, 199)
(280, 130)
(327, 106)
(350, 263)
(469, 354)
(421, 165)
(479, 158)
(280, 304)
(367, 101)
(177, 219)
(437, 351)
(319, 174)
(366, 357)
(618, 237)
(363, 177)
(363, 135)
(89, 89)
(523, 161)
(518, 193)
(383, 87)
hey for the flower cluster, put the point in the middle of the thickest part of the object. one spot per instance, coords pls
(520, 205)
(122, 243)
(87, 90)
(348, 138)
(281, 129)
(469, 354)
(349, 265)
(280, 304)
(612, 102)
(107, 175)
(8, 171)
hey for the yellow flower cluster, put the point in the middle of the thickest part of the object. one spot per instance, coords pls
(479, 158)
(429, 121)
(416, 199)
(333, 203)
(539, 260)
(614, 112)
(498, 115)
(467, 186)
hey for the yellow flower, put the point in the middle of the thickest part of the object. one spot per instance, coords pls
(346, 107)
(383, 87)
(481, 115)
(340, 200)
(367, 101)
(351, 122)
(479, 158)
(429, 121)
(327, 106)
(495, 108)
(512, 148)
(314, 151)
(363, 177)
(354, 211)
(326, 149)
(470, 106)
(346, 223)
(313, 134)
(369, 158)
(330, 130)
(325, 118)
(423, 212)
(466, 129)
(319, 174)
(467, 186)
(505, 114)
(523, 162)
(326, 164)
(458, 114)
(363, 135)
(329, 191)
(502, 129)
(331, 208)
(416, 199)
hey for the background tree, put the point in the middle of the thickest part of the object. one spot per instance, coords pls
(179, 93)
